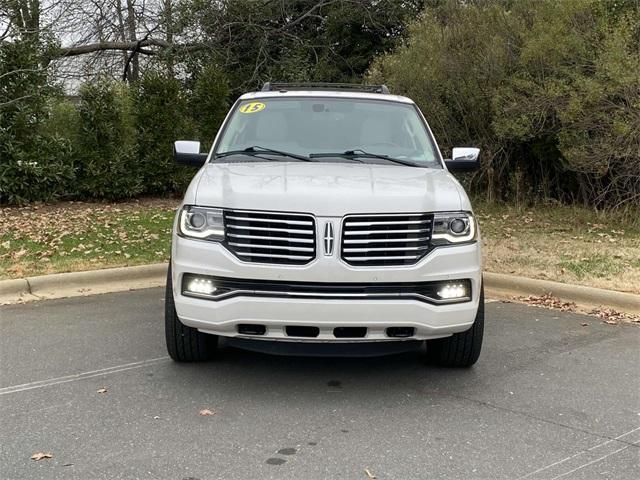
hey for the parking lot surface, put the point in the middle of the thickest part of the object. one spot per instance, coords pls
(554, 396)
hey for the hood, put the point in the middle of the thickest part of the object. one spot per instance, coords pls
(327, 189)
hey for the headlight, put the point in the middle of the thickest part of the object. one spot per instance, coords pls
(203, 223)
(453, 227)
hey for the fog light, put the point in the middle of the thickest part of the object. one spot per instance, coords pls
(202, 286)
(452, 290)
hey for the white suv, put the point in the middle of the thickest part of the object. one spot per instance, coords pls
(325, 217)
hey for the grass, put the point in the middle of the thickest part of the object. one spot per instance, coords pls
(566, 244)
(75, 236)
(597, 265)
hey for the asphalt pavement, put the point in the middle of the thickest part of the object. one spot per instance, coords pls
(554, 396)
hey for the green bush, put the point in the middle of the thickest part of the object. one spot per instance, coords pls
(208, 103)
(548, 90)
(160, 116)
(107, 165)
(116, 142)
(41, 172)
(35, 165)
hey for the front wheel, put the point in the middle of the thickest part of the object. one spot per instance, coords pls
(461, 349)
(184, 344)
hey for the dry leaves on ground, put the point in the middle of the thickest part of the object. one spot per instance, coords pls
(102, 228)
(205, 412)
(613, 317)
(41, 455)
(548, 301)
(608, 315)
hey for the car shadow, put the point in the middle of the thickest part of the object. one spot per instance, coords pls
(280, 378)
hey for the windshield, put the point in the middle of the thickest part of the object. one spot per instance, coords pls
(331, 128)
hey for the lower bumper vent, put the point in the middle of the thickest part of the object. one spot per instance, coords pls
(251, 329)
(350, 332)
(400, 332)
(298, 331)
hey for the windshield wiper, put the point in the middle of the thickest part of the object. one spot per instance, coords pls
(353, 158)
(357, 153)
(257, 150)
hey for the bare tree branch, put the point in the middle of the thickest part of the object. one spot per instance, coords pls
(21, 70)
(133, 56)
(14, 100)
(117, 45)
(308, 13)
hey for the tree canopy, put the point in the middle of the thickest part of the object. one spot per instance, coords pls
(549, 90)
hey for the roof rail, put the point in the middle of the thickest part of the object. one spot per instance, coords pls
(277, 86)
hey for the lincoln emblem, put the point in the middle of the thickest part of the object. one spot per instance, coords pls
(328, 238)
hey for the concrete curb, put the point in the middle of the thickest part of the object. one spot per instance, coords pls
(510, 287)
(497, 285)
(75, 284)
(13, 289)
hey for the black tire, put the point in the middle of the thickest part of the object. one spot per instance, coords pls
(461, 349)
(184, 344)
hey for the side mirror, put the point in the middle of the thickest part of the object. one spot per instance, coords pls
(188, 153)
(464, 159)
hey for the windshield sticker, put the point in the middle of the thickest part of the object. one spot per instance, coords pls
(252, 107)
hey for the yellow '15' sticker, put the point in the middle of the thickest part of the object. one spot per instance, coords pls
(252, 107)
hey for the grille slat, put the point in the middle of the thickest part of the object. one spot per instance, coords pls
(270, 220)
(384, 249)
(388, 240)
(385, 239)
(369, 232)
(275, 247)
(385, 258)
(271, 256)
(270, 237)
(392, 222)
(284, 239)
(270, 229)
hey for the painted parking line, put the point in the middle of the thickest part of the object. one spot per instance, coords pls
(584, 458)
(81, 376)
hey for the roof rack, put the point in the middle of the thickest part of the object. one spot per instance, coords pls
(277, 86)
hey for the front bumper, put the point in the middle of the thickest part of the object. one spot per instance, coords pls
(222, 317)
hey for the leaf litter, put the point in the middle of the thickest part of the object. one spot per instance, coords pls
(41, 456)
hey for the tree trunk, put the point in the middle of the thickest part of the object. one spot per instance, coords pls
(131, 24)
(123, 37)
(167, 15)
(26, 15)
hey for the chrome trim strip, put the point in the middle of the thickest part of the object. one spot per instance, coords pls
(384, 249)
(265, 255)
(265, 229)
(385, 240)
(394, 257)
(274, 293)
(268, 212)
(283, 239)
(394, 222)
(275, 247)
(371, 232)
(271, 220)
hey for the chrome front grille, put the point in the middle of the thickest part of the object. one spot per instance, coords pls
(270, 237)
(385, 239)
